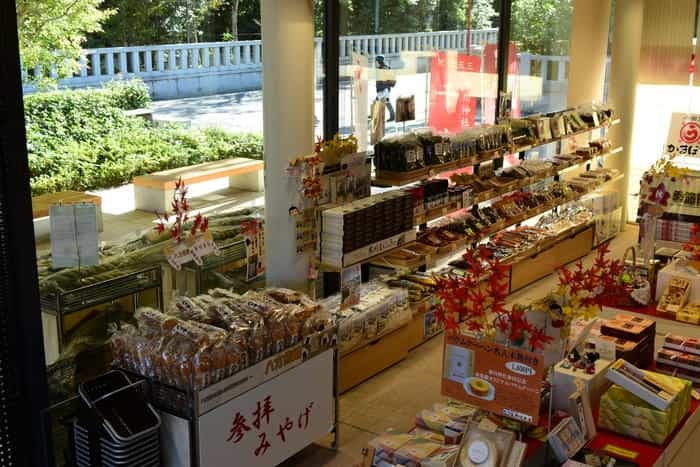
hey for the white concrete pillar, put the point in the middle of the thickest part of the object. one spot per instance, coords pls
(288, 124)
(622, 92)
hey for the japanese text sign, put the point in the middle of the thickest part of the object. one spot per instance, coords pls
(683, 135)
(270, 423)
(499, 379)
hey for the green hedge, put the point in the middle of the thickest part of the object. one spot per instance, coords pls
(82, 140)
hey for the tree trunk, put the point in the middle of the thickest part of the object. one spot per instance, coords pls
(234, 19)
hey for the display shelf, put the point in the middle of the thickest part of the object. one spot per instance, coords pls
(498, 226)
(387, 178)
(439, 212)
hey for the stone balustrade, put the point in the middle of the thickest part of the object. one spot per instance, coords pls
(187, 70)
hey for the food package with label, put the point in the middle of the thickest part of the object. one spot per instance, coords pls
(627, 414)
(690, 313)
(679, 364)
(635, 329)
(483, 448)
(675, 296)
(381, 310)
(682, 344)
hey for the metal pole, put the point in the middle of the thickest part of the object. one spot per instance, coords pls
(503, 48)
(469, 27)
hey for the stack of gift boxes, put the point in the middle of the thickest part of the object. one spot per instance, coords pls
(361, 223)
(680, 356)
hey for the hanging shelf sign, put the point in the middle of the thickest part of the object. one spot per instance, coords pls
(683, 135)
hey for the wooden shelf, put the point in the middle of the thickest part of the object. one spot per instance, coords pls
(446, 210)
(506, 224)
(388, 178)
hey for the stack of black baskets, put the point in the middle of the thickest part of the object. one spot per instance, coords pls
(115, 426)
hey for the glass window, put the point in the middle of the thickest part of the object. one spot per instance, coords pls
(413, 64)
(116, 91)
(538, 55)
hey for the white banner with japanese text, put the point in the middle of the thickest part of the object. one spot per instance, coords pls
(273, 421)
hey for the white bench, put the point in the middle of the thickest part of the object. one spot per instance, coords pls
(154, 192)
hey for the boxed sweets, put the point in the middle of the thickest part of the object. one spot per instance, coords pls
(623, 412)
(634, 352)
(381, 310)
(675, 296)
(633, 329)
(363, 222)
(677, 359)
(399, 153)
(690, 313)
(683, 344)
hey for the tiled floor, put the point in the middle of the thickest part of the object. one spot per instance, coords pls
(392, 398)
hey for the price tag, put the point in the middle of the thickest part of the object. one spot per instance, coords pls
(178, 254)
(203, 245)
(467, 199)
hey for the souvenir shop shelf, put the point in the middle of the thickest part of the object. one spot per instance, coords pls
(388, 178)
(199, 427)
(84, 312)
(541, 263)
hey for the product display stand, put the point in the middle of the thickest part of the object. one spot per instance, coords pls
(259, 416)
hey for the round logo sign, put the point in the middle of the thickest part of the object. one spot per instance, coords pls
(690, 132)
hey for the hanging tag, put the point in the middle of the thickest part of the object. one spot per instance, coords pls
(178, 254)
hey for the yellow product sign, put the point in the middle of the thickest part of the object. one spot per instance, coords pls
(618, 451)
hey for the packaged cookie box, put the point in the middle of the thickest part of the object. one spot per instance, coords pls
(633, 329)
(624, 413)
(689, 314)
(637, 353)
(678, 359)
(675, 296)
(682, 344)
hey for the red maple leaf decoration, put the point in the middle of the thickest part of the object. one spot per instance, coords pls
(180, 210)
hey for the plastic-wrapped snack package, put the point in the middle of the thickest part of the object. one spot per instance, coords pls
(275, 320)
(249, 325)
(203, 367)
(283, 295)
(122, 343)
(153, 323)
(222, 293)
(188, 309)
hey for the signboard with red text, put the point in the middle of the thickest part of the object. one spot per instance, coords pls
(272, 422)
(683, 135)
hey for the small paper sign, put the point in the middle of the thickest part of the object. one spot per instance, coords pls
(255, 251)
(178, 254)
(350, 279)
(204, 245)
(74, 235)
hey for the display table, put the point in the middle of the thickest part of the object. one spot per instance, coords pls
(679, 451)
(664, 324)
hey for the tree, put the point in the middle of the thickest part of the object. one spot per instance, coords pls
(52, 33)
(542, 26)
(483, 14)
(234, 19)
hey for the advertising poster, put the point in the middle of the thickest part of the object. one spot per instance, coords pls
(502, 380)
(452, 105)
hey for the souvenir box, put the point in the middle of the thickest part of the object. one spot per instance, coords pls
(633, 329)
(564, 382)
(627, 414)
